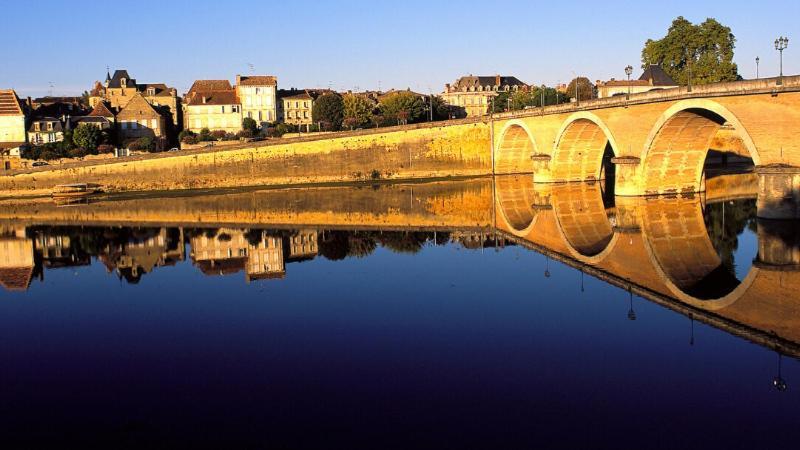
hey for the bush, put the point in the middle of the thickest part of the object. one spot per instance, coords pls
(49, 155)
(205, 135)
(76, 153)
(87, 137)
(218, 134)
(184, 134)
(250, 124)
(190, 140)
(105, 148)
(144, 143)
(230, 137)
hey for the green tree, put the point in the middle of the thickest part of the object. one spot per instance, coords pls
(87, 137)
(707, 47)
(585, 88)
(499, 103)
(357, 110)
(249, 124)
(405, 106)
(329, 110)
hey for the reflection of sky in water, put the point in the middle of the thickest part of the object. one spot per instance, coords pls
(449, 345)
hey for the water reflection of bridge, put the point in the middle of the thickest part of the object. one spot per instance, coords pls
(658, 248)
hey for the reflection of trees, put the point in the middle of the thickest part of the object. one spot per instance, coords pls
(361, 245)
(725, 221)
(404, 242)
(335, 245)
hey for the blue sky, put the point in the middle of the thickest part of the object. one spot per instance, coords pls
(364, 44)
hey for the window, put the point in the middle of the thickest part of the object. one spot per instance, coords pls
(305, 114)
(248, 101)
(257, 91)
(134, 125)
(250, 114)
(154, 124)
(259, 116)
(305, 104)
(124, 125)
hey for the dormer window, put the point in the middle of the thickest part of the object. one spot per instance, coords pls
(151, 91)
(123, 82)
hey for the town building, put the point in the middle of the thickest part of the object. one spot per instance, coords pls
(120, 89)
(13, 134)
(45, 130)
(473, 95)
(212, 104)
(297, 106)
(653, 78)
(101, 117)
(139, 119)
(258, 97)
(302, 245)
(141, 254)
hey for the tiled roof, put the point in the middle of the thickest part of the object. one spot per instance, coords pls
(626, 83)
(212, 98)
(221, 266)
(9, 145)
(116, 80)
(138, 108)
(210, 85)
(490, 81)
(656, 75)
(258, 80)
(16, 278)
(305, 94)
(162, 90)
(56, 127)
(9, 103)
(101, 109)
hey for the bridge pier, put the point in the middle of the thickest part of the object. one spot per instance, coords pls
(778, 246)
(627, 180)
(541, 168)
(778, 192)
(629, 215)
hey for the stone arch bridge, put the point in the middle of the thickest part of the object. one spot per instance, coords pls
(658, 141)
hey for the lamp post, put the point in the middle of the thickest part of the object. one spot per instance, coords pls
(542, 101)
(631, 312)
(628, 72)
(758, 60)
(780, 45)
(689, 59)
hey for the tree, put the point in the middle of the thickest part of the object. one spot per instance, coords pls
(249, 124)
(86, 137)
(357, 110)
(441, 110)
(707, 48)
(585, 88)
(404, 106)
(329, 108)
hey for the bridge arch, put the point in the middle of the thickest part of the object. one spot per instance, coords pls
(676, 148)
(580, 146)
(582, 221)
(515, 199)
(514, 149)
(682, 254)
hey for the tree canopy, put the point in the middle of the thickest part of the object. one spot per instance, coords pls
(87, 137)
(585, 88)
(405, 106)
(357, 109)
(329, 110)
(708, 47)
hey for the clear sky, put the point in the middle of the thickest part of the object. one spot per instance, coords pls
(360, 44)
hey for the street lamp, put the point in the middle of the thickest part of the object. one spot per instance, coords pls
(628, 72)
(758, 60)
(542, 101)
(631, 312)
(780, 45)
(690, 55)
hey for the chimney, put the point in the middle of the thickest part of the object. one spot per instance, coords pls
(447, 87)
(238, 80)
(30, 102)
(497, 80)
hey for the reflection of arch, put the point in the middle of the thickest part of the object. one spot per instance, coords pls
(582, 219)
(676, 148)
(677, 243)
(580, 146)
(515, 199)
(514, 149)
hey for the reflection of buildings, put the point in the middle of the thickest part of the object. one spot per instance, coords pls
(16, 260)
(302, 245)
(57, 250)
(231, 251)
(141, 252)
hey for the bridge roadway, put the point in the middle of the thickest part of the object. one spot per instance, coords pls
(658, 141)
(658, 248)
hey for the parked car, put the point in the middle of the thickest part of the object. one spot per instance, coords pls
(39, 164)
(174, 149)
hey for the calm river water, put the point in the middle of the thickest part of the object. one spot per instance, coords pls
(471, 314)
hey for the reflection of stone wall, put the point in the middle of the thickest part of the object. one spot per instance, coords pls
(416, 152)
